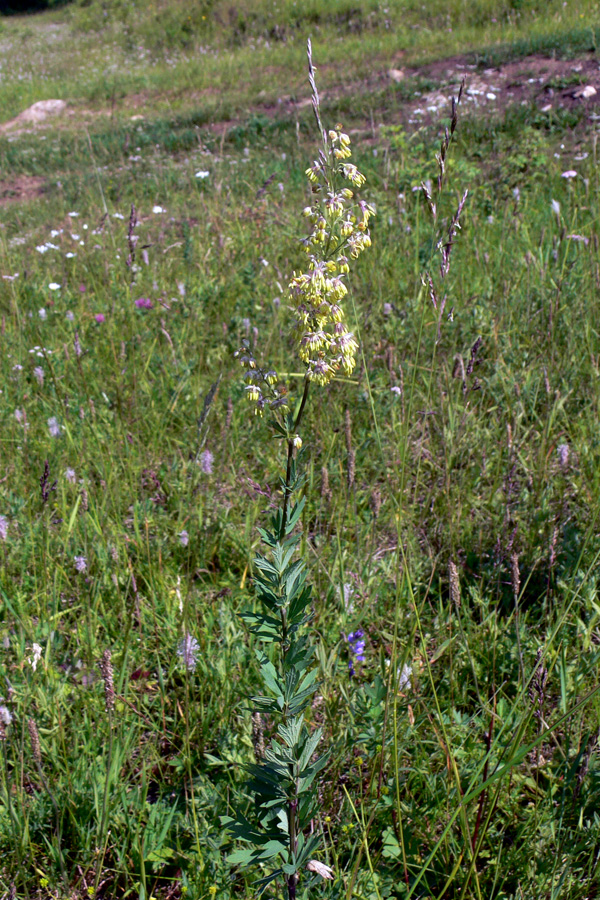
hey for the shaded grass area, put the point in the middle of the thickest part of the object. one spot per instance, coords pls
(464, 750)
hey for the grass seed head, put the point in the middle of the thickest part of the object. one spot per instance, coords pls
(106, 671)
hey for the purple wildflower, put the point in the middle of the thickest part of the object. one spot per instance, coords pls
(184, 538)
(99, 317)
(357, 649)
(81, 564)
(144, 303)
(206, 462)
(3, 528)
(39, 375)
(187, 651)
(54, 428)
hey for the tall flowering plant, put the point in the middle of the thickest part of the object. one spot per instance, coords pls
(283, 780)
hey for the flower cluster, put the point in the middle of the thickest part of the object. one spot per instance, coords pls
(357, 649)
(261, 384)
(339, 232)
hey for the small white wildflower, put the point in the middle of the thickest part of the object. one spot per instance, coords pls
(570, 173)
(348, 593)
(187, 651)
(157, 210)
(404, 682)
(5, 716)
(35, 658)
(202, 174)
(297, 441)
(396, 390)
(42, 313)
(118, 216)
(81, 564)
(73, 215)
(563, 455)
(53, 427)
(516, 193)
(184, 538)
(70, 475)
(54, 286)
(555, 207)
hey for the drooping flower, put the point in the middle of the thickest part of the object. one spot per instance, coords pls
(320, 868)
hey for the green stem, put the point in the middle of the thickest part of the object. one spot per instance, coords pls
(288, 472)
(293, 802)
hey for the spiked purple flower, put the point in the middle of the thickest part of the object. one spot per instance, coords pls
(187, 651)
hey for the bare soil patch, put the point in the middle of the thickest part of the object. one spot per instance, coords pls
(22, 188)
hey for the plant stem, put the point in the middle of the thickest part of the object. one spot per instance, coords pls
(293, 803)
(288, 472)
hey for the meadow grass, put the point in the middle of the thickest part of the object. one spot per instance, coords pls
(452, 491)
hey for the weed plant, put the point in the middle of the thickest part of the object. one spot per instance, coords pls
(449, 531)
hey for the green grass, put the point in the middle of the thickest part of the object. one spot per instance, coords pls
(465, 783)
